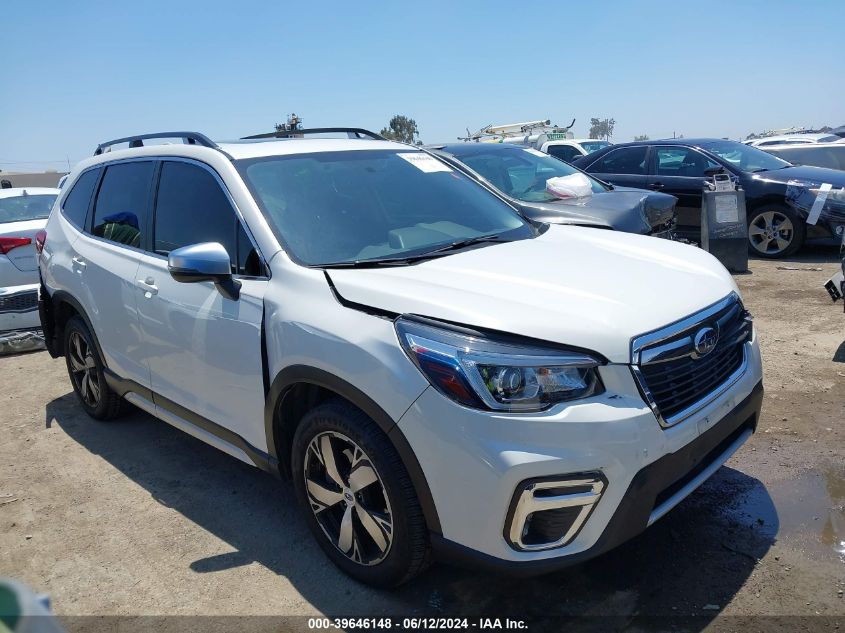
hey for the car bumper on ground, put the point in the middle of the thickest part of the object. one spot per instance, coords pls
(477, 464)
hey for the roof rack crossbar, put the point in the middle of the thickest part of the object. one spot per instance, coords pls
(191, 138)
(352, 132)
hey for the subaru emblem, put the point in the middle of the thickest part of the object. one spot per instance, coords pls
(705, 341)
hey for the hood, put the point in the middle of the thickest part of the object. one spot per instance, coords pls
(802, 185)
(659, 207)
(811, 175)
(575, 286)
(624, 209)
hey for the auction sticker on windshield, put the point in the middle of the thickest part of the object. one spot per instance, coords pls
(424, 162)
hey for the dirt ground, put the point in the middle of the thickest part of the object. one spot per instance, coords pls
(136, 518)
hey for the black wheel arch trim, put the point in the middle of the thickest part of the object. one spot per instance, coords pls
(298, 374)
(62, 296)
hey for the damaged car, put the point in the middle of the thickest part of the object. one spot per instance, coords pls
(527, 178)
(780, 198)
(439, 377)
(23, 212)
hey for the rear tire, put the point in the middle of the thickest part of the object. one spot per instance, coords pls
(775, 231)
(85, 369)
(358, 499)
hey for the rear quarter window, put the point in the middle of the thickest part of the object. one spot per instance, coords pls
(75, 206)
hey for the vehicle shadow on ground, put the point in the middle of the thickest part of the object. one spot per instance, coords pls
(839, 354)
(697, 556)
(810, 254)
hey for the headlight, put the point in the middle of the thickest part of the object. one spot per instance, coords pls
(485, 374)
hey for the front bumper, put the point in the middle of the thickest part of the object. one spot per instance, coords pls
(653, 491)
(474, 461)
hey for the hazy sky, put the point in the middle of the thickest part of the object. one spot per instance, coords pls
(77, 73)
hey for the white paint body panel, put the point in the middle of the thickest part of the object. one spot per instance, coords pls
(104, 274)
(204, 350)
(573, 285)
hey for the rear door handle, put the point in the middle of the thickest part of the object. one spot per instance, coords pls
(79, 263)
(656, 185)
(148, 286)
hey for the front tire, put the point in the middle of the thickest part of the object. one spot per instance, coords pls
(358, 499)
(85, 369)
(775, 231)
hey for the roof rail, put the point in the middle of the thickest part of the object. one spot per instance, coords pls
(353, 132)
(191, 138)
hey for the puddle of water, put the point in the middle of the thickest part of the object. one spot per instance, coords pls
(808, 511)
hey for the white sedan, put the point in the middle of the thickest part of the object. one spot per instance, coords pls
(23, 212)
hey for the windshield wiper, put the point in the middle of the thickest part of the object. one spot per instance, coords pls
(454, 246)
(410, 259)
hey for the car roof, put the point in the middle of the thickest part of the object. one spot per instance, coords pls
(283, 147)
(14, 192)
(787, 137)
(467, 149)
(684, 142)
(245, 149)
(811, 146)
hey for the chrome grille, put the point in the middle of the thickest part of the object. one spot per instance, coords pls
(20, 302)
(677, 379)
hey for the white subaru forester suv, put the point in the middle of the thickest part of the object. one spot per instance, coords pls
(439, 377)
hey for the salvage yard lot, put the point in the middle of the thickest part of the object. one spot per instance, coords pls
(135, 517)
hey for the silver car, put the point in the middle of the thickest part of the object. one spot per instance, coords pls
(23, 213)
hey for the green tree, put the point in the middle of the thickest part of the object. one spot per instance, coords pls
(601, 128)
(402, 129)
(641, 137)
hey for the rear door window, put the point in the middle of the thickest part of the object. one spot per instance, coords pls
(625, 160)
(120, 213)
(76, 203)
(682, 161)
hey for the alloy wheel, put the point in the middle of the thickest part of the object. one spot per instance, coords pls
(348, 498)
(84, 370)
(771, 232)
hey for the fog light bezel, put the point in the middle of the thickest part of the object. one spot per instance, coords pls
(524, 503)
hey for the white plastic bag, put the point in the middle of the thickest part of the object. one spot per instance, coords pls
(575, 185)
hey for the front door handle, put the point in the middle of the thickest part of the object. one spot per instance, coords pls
(148, 286)
(656, 185)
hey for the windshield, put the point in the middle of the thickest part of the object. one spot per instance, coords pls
(26, 207)
(593, 146)
(366, 205)
(521, 173)
(744, 157)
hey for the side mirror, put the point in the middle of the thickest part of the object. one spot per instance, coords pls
(208, 261)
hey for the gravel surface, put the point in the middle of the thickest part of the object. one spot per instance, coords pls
(135, 517)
